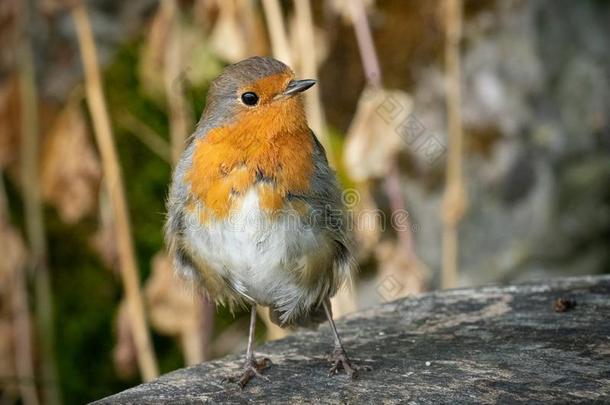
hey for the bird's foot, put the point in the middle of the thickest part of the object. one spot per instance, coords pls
(339, 360)
(252, 368)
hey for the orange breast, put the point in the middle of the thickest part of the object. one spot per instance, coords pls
(272, 143)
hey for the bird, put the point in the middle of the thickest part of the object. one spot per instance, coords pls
(255, 215)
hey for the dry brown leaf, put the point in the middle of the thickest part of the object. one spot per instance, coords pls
(197, 62)
(13, 255)
(321, 45)
(150, 67)
(12, 259)
(9, 34)
(104, 239)
(254, 28)
(373, 137)
(9, 122)
(175, 308)
(70, 167)
(405, 276)
(368, 222)
(201, 64)
(239, 31)
(124, 352)
(227, 38)
(172, 307)
(7, 354)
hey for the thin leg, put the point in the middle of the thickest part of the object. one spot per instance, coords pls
(339, 356)
(249, 351)
(252, 367)
(329, 316)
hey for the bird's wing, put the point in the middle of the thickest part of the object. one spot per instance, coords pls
(325, 198)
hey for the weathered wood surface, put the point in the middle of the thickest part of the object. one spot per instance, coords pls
(484, 345)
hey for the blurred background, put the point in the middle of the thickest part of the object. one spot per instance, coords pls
(472, 137)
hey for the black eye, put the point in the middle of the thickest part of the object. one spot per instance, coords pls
(249, 98)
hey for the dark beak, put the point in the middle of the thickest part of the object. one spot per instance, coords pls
(298, 86)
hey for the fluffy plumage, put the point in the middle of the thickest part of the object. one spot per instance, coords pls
(254, 211)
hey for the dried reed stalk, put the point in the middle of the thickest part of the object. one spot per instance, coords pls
(206, 319)
(397, 203)
(372, 71)
(368, 55)
(454, 201)
(33, 211)
(179, 114)
(195, 340)
(114, 182)
(277, 31)
(308, 69)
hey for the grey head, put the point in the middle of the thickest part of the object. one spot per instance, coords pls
(250, 84)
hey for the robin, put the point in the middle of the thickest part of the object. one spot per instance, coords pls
(255, 214)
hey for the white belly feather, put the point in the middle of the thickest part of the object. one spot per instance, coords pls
(260, 254)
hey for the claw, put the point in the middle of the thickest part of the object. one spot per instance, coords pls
(340, 361)
(252, 369)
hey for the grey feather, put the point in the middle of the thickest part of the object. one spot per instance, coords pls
(328, 219)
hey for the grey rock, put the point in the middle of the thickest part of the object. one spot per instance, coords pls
(536, 92)
(484, 345)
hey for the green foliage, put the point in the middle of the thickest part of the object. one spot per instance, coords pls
(334, 151)
(87, 294)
